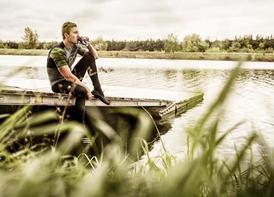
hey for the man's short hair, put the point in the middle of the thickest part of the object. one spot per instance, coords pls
(67, 26)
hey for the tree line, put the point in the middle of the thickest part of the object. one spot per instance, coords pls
(190, 43)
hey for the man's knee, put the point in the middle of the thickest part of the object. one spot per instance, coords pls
(89, 57)
(80, 91)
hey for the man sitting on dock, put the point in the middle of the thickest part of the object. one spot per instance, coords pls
(64, 79)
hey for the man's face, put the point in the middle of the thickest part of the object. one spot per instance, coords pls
(73, 35)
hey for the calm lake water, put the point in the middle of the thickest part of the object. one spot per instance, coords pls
(251, 99)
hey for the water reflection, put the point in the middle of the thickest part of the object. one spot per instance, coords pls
(251, 100)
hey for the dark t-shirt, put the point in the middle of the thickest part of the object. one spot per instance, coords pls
(61, 56)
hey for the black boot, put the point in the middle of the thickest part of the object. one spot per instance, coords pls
(92, 71)
(98, 92)
(100, 95)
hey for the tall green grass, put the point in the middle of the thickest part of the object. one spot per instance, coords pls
(41, 168)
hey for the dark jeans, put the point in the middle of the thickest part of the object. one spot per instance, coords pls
(86, 63)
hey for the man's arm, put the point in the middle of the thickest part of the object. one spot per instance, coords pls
(92, 51)
(69, 76)
(85, 41)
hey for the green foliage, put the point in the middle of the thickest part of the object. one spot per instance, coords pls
(190, 43)
(194, 43)
(30, 38)
(171, 43)
(100, 44)
(144, 45)
(2, 45)
(115, 45)
(11, 45)
(235, 47)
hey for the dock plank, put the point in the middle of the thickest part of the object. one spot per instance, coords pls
(22, 97)
(157, 107)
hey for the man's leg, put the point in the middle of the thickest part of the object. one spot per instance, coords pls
(79, 92)
(87, 64)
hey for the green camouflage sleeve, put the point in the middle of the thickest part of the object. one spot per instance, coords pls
(59, 57)
(81, 49)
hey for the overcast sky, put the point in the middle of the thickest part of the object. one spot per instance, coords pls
(137, 19)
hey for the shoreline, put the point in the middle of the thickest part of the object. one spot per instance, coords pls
(235, 56)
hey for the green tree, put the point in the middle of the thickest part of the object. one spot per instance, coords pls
(131, 46)
(2, 45)
(30, 38)
(216, 46)
(159, 45)
(100, 44)
(115, 45)
(246, 43)
(194, 43)
(12, 45)
(226, 44)
(235, 47)
(171, 44)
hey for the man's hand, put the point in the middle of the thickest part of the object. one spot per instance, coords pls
(84, 40)
(67, 74)
(89, 95)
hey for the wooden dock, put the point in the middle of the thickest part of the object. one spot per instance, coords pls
(157, 107)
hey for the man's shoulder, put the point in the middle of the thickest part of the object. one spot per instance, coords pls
(57, 51)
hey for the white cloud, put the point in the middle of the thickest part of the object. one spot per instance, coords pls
(131, 19)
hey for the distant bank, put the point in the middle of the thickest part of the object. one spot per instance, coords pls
(267, 57)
